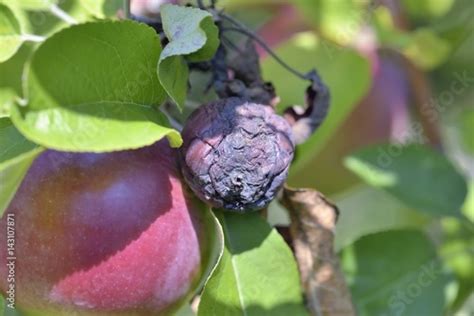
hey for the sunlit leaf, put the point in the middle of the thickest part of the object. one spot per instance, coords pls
(10, 33)
(102, 8)
(11, 78)
(32, 4)
(365, 211)
(90, 89)
(419, 177)
(426, 49)
(338, 20)
(457, 250)
(427, 8)
(16, 156)
(257, 274)
(193, 36)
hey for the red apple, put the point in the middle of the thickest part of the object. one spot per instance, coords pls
(104, 234)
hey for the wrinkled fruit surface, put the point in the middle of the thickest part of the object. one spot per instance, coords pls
(236, 154)
(104, 234)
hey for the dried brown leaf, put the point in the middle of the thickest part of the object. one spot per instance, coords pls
(306, 120)
(313, 220)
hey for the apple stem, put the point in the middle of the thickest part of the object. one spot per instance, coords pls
(241, 28)
(126, 9)
(201, 5)
(61, 14)
(173, 122)
(21, 101)
(32, 38)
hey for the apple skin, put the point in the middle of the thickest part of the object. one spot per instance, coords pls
(104, 234)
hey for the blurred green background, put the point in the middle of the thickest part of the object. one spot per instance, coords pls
(396, 152)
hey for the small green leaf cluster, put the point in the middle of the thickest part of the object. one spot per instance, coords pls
(193, 37)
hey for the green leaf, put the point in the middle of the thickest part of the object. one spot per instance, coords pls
(278, 214)
(29, 21)
(466, 130)
(468, 307)
(468, 207)
(427, 8)
(396, 273)
(192, 34)
(426, 49)
(419, 177)
(306, 51)
(33, 4)
(16, 156)
(11, 177)
(215, 236)
(41, 20)
(241, 4)
(10, 33)
(339, 21)
(423, 46)
(10, 80)
(174, 74)
(102, 8)
(257, 274)
(365, 211)
(14, 312)
(457, 251)
(186, 310)
(93, 87)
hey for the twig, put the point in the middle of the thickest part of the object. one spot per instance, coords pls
(173, 122)
(230, 44)
(61, 14)
(126, 9)
(32, 38)
(241, 28)
(219, 71)
(268, 49)
(201, 5)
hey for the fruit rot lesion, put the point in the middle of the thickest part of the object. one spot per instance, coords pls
(237, 150)
(236, 154)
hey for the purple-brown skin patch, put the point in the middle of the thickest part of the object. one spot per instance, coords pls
(236, 154)
(104, 234)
